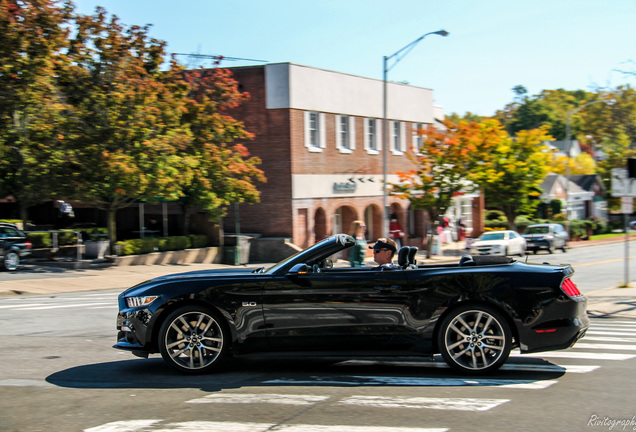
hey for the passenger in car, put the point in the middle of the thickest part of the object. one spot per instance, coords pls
(383, 251)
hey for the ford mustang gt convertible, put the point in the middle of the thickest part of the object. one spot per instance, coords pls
(472, 312)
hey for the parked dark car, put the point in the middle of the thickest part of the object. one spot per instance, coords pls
(546, 236)
(473, 312)
(13, 246)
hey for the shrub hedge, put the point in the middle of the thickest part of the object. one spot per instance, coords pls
(159, 244)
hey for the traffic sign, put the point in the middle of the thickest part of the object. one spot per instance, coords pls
(622, 184)
(627, 205)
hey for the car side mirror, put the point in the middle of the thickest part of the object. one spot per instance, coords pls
(299, 270)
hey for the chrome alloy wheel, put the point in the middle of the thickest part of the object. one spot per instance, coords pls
(475, 340)
(192, 340)
(11, 261)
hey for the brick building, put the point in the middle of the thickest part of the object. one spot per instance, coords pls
(319, 135)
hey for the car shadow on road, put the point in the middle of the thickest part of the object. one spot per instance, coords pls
(153, 373)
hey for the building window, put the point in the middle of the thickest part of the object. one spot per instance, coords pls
(345, 133)
(397, 137)
(372, 136)
(314, 131)
(418, 140)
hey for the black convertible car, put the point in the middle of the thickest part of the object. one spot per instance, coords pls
(472, 312)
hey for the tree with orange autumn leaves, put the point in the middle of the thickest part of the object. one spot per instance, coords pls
(142, 133)
(465, 156)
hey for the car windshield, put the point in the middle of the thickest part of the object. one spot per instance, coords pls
(492, 236)
(316, 253)
(538, 230)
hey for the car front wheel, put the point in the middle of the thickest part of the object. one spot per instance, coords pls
(193, 340)
(474, 339)
(11, 261)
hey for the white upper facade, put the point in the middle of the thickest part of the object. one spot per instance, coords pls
(305, 88)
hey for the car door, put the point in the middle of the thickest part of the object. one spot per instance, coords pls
(334, 309)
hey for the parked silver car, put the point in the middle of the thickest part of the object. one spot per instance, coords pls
(546, 236)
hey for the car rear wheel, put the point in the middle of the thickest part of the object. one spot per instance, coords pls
(193, 340)
(11, 261)
(474, 339)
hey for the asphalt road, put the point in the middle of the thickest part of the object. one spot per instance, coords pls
(59, 372)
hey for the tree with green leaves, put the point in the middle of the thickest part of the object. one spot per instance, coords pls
(442, 163)
(32, 112)
(467, 156)
(511, 170)
(125, 132)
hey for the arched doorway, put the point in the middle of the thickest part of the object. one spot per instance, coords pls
(342, 218)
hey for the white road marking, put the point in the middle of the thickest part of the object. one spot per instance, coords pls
(608, 339)
(25, 383)
(412, 381)
(62, 306)
(205, 426)
(459, 404)
(506, 366)
(616, 347)
(260, 398)
(608, 330)
(577, 355)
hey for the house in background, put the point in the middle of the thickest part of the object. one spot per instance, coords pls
(560, 148)
(585, 194)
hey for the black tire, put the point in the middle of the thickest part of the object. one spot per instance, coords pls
(11, 261)
(194, 340)
(474, 339)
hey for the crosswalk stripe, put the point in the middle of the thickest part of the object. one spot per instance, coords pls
(459, 404)
(604, 321)
(609, 339)
(616, 329)
(260, 398)
(609, 333)
(616, 347)
(208, 426)
(416, 381)
(577, 355)
(442, 365)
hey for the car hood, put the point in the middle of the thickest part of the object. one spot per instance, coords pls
(531, 236)
(490, 243)
(237, 271)
(220, 274)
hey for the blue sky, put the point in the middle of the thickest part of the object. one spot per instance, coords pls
(493, 45)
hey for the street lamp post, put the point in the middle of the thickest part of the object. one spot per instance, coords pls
(399, 55)
(568, 145)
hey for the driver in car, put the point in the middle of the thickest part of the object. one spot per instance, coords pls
(383, 251)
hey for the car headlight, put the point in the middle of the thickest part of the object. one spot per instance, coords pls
(134, 302)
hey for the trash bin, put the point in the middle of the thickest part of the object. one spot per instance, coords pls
(96, 249)
(236, 249)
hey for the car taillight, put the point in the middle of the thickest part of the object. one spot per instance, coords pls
(570, 288)
(28, 245)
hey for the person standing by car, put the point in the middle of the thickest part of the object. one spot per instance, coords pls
(357, 251)
(383, 251)
(395, 230)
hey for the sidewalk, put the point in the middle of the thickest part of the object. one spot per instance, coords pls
(611, 302)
